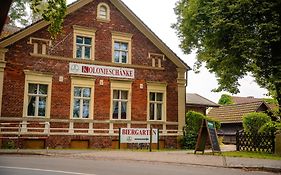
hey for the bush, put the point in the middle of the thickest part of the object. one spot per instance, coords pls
(192, 126)
(270, 127)
(252, 122)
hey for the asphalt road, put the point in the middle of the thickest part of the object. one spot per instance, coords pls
(42, 165)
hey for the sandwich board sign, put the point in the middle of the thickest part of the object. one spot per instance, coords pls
(206, 133)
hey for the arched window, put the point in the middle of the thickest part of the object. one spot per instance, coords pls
(103, 12)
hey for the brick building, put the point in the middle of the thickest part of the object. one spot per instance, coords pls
(106, 70)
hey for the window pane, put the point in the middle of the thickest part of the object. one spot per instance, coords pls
(116, 56)
(42, 106)
(159, 96)
(102, 12)
(116, 46)
(43, 89)
(32, 88)
(78, 51)
(86, 108)
(152, 96)
(124, 95)
(124, 57)
(79, 39)
(76, 108)
(151, 111)
(123, 110)
(88, 40)
(115, 94)
(124, 46)
(87, 52)
(86, 92)
(159, 111)
(31, 106)
(115, 110)
(77, 92)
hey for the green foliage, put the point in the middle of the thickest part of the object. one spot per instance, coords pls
(234, 38)
(270, 126)
(193, 123)
(10, 144)
(225, 100)
(52, 11)
(252, 122)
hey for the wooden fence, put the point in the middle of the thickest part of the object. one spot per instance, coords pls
(246, 141)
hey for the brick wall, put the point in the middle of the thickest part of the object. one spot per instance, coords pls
(18, 59)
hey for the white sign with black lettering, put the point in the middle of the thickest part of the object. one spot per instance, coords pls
(107, 71)
(138, 135)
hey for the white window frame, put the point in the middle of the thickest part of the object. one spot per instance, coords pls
(122, 86)
(82, 82)
(32, 77)
(122, 38)
(156, 87)
(84, 32)
(100, 17)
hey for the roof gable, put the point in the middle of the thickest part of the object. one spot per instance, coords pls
(195, 99)
(234, 113)
(123, 9)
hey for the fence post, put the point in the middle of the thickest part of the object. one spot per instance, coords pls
(273, 142)
(237, 141)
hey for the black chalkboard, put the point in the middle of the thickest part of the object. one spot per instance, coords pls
(207, 130)
(213, 137)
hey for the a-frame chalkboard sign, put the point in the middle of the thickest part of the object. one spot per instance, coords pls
(206, 133)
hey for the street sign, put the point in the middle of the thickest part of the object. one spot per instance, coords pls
(138, 135)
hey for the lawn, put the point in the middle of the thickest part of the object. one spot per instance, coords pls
(257, 155)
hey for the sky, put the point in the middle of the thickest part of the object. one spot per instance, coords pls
(159, 15)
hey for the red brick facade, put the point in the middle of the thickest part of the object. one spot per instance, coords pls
(19, 58)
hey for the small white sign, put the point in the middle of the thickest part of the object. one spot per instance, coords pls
(138, 135)
(86, 69)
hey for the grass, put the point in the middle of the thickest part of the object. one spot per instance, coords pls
(257, 155)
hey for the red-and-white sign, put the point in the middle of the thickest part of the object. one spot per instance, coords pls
(86, 69)
(138, 135)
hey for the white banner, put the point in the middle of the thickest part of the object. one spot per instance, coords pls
(138, 135)
(86, 69)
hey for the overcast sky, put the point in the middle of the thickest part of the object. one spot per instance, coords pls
(159, 15)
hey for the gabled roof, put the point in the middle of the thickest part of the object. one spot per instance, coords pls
(123, 9)
(239, 100)
(195, 99)
(234, 113)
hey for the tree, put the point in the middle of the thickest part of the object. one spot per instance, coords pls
(234, 38)
(52, 11)
(225, 100)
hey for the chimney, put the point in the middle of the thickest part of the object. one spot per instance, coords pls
(250, 97)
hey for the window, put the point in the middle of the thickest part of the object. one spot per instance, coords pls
(121, 47)
(83, 42)
(82, 97)
(156, 94)
(83, 47)
(81, 105)
(120, 52)
(155, 106)
(37, 98)
(103, 12)
(120, 100)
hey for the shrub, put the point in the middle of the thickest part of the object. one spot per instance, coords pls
(252, 122)
(193, 123)
(271, 126)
